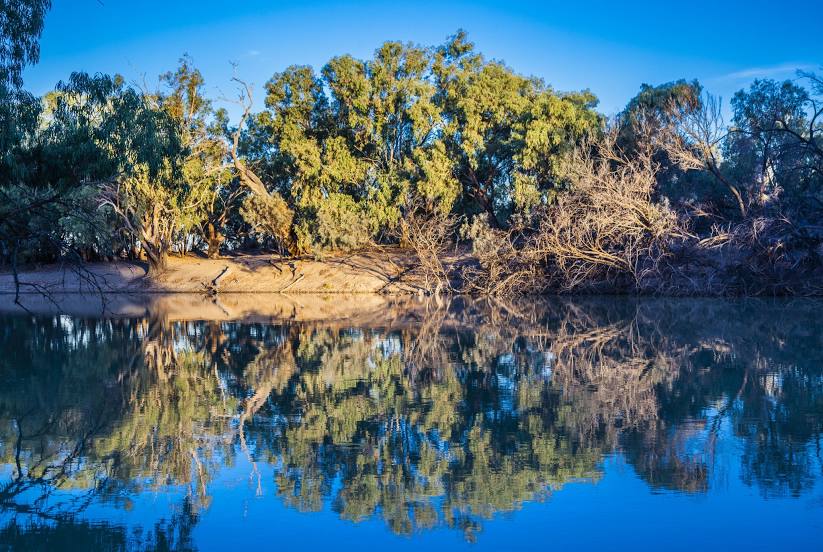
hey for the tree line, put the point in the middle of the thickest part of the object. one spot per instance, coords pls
(427, 147)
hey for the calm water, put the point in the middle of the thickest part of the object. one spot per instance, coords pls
(594, 424)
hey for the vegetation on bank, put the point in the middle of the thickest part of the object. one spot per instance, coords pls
(435, 148)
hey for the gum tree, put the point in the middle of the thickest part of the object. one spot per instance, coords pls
(506, 133)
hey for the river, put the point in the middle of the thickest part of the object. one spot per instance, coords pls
(592, 423)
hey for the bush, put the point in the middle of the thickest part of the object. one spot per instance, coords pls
(270, 215)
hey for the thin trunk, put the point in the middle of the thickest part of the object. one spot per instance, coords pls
(741, 205)
(15, 273)
(482, 197)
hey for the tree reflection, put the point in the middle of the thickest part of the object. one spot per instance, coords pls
(66, 532)
(469, 411)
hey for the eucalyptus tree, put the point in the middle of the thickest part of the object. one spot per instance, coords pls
(652, 117)
(506, 134)
(146, 189)
(99, 167)
(769, 156)
(21, 23)
(205, 170)
(175, 179)
(347, 147)
(67, 148)
(650, 113)
(264, 209)
(386, 119)
(775, 145)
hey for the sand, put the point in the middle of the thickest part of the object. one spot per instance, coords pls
(385, 270)
(360, 287)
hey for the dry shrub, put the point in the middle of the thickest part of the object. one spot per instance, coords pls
(761, 255)
(611, 233)
(608, 229)
(607, 232)
(501, 266)
(429, 233)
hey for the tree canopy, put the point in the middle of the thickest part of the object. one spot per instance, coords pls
(421, 146)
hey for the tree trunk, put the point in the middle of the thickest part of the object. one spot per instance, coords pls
(157, 257)
(741, 205)
(214, 239)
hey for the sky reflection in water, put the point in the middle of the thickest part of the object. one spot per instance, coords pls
(586, 423)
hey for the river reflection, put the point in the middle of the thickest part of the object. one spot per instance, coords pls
(433, 418)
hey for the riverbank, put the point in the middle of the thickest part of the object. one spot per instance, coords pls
(380, 270)
(394, 272)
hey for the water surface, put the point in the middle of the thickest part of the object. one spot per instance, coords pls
(594, 424)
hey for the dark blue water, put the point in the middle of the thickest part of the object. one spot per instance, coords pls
(592, 424)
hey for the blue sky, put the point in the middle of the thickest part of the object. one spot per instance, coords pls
(608, 47)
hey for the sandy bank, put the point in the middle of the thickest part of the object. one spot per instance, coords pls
(384, 270)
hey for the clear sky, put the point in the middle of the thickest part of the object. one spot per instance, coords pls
(608, 47)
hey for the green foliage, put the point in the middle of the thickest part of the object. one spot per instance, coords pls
(336, 222)
(21, 22)
(269, 216)
(348, 159)
(365, 136)
(766, 149)
(140, 148)
(507, 134)
(338, 158)
(91, 131)
(662, 104)
(436, 184)
(208, 181)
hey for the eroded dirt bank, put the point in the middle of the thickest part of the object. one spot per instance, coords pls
(381, 270)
